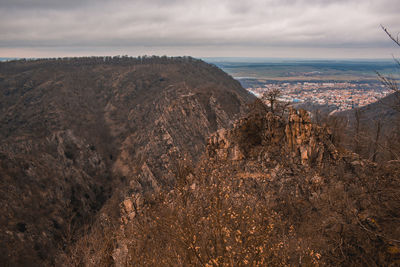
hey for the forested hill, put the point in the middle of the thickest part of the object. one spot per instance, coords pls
(76, 132)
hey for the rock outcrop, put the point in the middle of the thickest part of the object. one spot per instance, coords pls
(310, 143)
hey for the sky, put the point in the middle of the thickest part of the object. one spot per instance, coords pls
(203, 28)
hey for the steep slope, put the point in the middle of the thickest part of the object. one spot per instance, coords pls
(386, 109)
(272, 192)
(373, 130)
(73, 130)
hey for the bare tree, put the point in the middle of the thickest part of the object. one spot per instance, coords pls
(376, 141)
(271, 96)
(389, 81)
(357, 145)
(395, 39)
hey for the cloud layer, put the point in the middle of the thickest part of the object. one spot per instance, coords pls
(201, 28)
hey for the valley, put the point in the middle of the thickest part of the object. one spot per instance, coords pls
(334, 84)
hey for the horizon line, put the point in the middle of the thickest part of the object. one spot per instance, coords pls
(225, 57)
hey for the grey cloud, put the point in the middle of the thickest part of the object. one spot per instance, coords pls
(158, 23)
(49, 4)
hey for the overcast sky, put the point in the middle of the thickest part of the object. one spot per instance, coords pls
(204, 28)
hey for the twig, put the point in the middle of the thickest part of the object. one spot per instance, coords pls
(395, 39)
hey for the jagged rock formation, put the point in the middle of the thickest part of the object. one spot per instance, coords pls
(77, 132)
(311, 143)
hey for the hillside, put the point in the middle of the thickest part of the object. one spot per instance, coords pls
(385, 109)
(272, 191)
(75, 131)
(373, 130)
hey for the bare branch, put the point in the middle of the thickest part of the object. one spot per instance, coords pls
(395, 39)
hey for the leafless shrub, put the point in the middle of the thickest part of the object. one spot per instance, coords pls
(213, 219)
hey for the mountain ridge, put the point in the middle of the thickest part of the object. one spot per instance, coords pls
(75, 130)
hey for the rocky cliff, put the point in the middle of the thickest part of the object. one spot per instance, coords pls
(300, 138)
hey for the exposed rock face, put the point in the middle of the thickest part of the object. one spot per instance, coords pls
(311, 143)
(74, 130)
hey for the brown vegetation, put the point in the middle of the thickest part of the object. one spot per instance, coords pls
(269, 206)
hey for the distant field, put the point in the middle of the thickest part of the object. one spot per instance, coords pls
(327, 78)
(313, 70)
(6, 58)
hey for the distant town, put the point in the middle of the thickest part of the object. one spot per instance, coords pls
(327, 84)
(341, 95)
